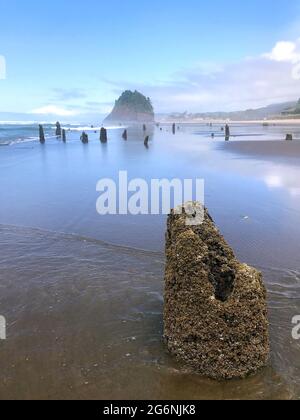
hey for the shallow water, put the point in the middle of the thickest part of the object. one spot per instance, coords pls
(83, 294)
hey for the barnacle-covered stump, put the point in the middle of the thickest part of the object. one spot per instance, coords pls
(215, 316)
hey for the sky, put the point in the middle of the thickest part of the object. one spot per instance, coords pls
(74, 58)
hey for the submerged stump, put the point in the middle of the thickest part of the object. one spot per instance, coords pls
(64, 136)
(41, 134)
(58, 130)
(103, 135)
(227, 132)
(215, 316)
(84, 138)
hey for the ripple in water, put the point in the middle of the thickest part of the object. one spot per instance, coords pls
(85, 321)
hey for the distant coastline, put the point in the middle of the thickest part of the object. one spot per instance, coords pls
(279, 121)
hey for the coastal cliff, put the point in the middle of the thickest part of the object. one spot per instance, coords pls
(215, 317)
(132, 107)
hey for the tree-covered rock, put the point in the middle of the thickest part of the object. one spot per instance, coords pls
(132, 107)
(295, 110)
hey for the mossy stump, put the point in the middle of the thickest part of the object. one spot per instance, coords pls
(215, 317)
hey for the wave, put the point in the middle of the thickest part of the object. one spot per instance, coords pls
(27, 122)
(89, 128)
(81, 238)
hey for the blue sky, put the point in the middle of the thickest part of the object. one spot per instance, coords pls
(75, 57)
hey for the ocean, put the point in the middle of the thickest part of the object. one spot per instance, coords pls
(82, 294)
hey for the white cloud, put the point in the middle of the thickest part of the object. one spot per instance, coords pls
(53, 110)
(285, 51)
(249, 83)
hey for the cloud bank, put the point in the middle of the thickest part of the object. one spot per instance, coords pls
(54, 110)
(253, 82)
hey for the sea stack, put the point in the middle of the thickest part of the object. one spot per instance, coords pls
(215, 316)
(58, 130)
(41, 134)
(84, 138)
(64, 137)
(132, 107)
(174, 128)
(103, 135)
(125, 135)
(289, 137)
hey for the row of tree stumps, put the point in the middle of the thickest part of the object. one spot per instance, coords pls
(103, 136)
(226, 130)
(61, 133)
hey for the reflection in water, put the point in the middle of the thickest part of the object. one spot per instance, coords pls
(85, 321)
(84, 318)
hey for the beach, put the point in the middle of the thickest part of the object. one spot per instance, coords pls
(83, 293)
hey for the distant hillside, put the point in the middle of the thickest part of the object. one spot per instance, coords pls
(268, 112)
(294, 110)
(132, 107)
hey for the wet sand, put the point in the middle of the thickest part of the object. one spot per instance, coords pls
(84, 318)
(85, 322)
(269, 150)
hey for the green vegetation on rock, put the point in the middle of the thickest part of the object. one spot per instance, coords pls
(132, 106)
(136, 101)
(295, 110)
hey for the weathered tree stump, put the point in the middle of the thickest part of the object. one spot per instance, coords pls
(146, 142)
(103, 135)
(41, 134)
(227, 132)
(215, 317)
(84, 138)
(58, 130)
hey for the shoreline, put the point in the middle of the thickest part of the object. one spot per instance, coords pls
(226, 121)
